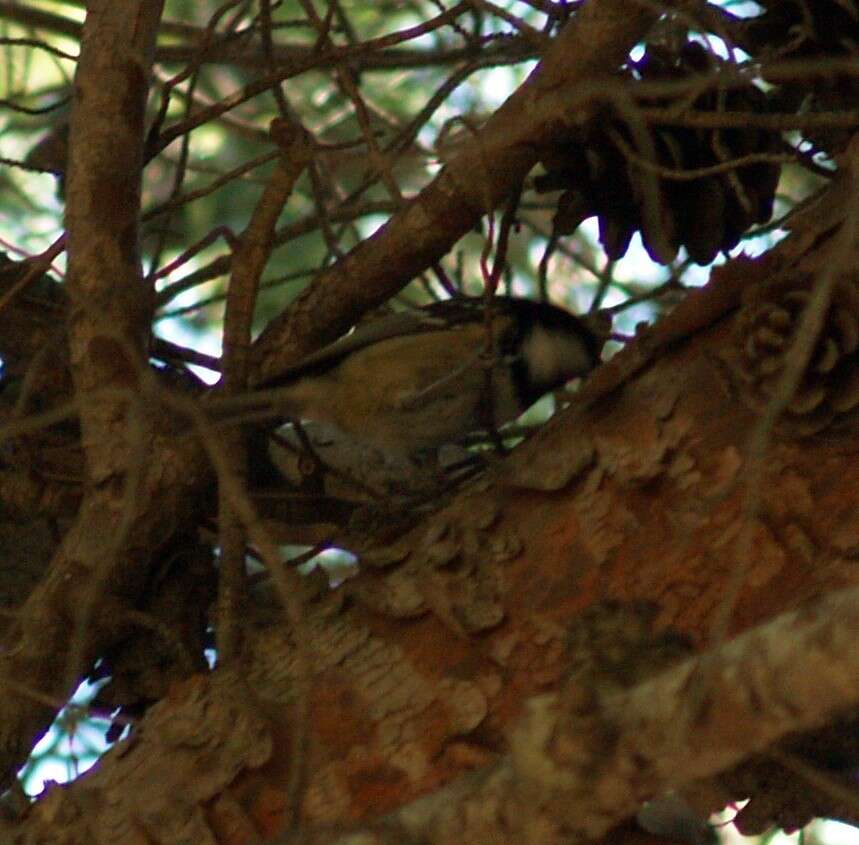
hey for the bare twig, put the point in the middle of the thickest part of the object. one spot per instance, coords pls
(36, 267)
(254, 248)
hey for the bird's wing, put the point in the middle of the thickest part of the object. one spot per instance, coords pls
(440, 315)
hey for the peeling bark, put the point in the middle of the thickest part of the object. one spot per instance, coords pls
(452, 659)
(450, 694)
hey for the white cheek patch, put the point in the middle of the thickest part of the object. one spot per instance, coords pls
(552, 357)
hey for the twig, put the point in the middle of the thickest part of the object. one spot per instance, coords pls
(775, 122)
(37, 266)
(254, 248)
(308, 62)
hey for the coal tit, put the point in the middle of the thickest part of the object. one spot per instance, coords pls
(415, 380)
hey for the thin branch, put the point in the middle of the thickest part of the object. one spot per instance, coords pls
(296, 68)
(252, 253)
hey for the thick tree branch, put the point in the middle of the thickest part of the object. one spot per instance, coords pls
(452, 630)
(447, 692)
(579, 762)
(108, 328)
(489, 166)
(579, 767)
(109, 306)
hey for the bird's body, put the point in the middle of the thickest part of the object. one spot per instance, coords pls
(417, 380)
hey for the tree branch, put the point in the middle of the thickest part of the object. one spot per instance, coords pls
(108, 330)
(489, 166)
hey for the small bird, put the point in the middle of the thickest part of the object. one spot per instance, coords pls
(416, 380)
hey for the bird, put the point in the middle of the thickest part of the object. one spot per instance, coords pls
(413, 381)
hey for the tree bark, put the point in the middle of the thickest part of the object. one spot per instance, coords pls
(457, 656)
(493, 671)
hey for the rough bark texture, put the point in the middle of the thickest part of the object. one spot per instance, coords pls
(456, 689)
(142, 482)
(435, 661)
(93, 574)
